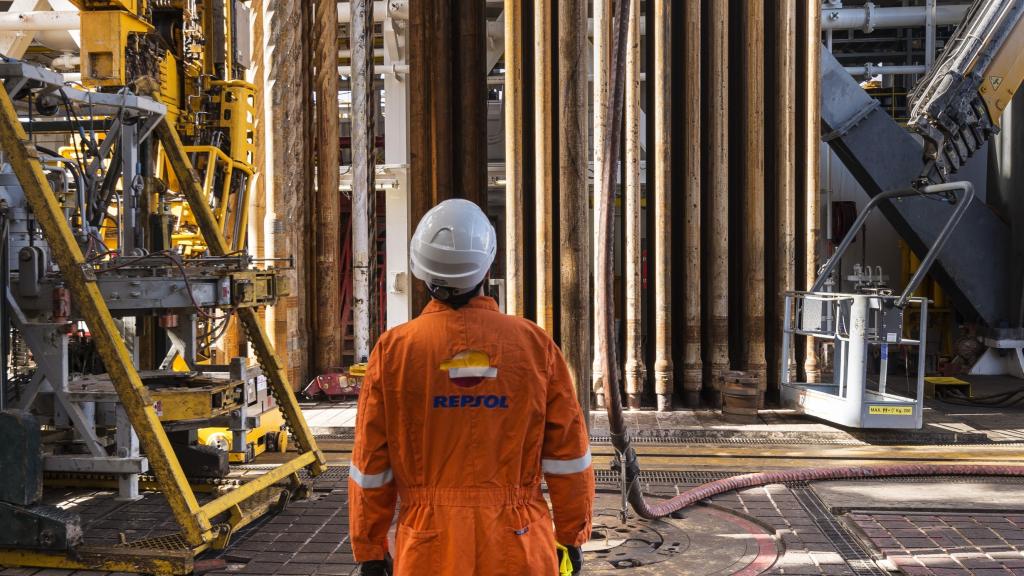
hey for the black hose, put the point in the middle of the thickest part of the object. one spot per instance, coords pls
(1000, 400)
(5, 278)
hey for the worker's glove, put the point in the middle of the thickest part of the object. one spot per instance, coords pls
(375, 568)
(571, 555)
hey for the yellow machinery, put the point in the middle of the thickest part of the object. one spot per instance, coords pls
(959, 104)
(183, 215)
(203, 525)
(123, 43)
(186, 50)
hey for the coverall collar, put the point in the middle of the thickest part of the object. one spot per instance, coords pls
(482, 302)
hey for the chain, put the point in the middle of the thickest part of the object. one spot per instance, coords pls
(271, 389)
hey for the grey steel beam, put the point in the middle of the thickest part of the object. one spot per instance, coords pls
(974, 266)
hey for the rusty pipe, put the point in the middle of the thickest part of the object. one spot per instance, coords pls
(812, 149)
(602, 45)
(543, 121)
(693, 367)
(513, 102)
(753, 184)
(361, 33)
(634, 369)
(784, 173)
(328, 345)
(662, 205)
(468, 103)
(573, 190)
(718, 233)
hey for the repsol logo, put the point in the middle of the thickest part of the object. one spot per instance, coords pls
(470, 401)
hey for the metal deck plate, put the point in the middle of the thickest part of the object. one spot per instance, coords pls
(709, 541)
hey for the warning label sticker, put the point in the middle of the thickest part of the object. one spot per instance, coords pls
(995, 81)
(891, 410)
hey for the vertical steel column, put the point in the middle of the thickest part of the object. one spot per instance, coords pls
(131, 188)
(127, 442)
(812, 148)
(929, 34)
(693, 368)
(361, 34)
(753, 184)
(306, 263)
(544, 160)
(635, 371)
(573, 204)
(421, 156)
(327, 262)
(785, 158)
(856, 356)
(469, 147)
(440, 60)
(513, 102)
(286, 159)
(718, 233)
(398, 199)
(261, 229)
(663, 204)
(602, 68)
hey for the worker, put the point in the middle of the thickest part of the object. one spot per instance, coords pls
(461, 412)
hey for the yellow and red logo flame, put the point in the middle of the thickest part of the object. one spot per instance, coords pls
(469, 368)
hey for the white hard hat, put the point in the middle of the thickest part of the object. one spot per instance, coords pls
(453, 246)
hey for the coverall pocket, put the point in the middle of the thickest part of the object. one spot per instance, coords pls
(530, 551)
(418, 551)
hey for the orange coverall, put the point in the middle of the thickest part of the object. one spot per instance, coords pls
(460, 413)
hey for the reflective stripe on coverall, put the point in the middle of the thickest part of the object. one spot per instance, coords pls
(460, 413)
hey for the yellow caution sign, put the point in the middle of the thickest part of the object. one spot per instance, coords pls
(891, 410)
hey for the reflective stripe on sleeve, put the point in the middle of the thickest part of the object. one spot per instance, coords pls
(576, 465)
(366, 481)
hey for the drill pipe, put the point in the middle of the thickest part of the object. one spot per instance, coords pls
(605, 330)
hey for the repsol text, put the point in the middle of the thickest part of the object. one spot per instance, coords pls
(471, 401)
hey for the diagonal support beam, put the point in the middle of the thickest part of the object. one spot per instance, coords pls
(882, 156)
(268, 359)
(82, 282)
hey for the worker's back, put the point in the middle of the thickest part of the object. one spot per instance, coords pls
(469, 407)
(465, 392)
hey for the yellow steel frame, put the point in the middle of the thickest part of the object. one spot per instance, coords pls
(273, 369)
(104, 38)
(106, 559)
(219, 162)
(195, 520)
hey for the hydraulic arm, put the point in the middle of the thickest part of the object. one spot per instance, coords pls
(958, 105)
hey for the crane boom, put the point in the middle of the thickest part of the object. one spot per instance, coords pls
(957, 106)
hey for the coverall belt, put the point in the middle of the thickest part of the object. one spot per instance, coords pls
(471, 497)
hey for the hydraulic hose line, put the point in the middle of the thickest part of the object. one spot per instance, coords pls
(626, 460)
(705, 491)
